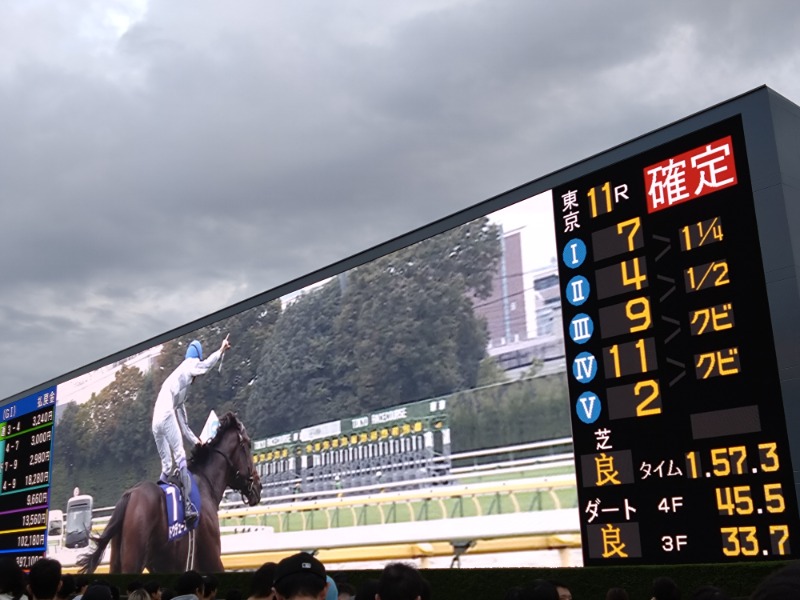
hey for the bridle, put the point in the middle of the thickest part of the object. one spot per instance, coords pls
(242, 482)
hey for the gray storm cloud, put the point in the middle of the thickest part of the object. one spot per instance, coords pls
(161, 161)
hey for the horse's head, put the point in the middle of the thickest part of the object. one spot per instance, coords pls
(235, 445)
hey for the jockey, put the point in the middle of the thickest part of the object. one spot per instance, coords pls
(170, 420)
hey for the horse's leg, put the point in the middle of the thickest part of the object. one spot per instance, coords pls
(208, 546)
(167, 557)
(162, 556)
(134, 540)
(142, 520)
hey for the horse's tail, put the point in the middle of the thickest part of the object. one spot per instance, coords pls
(88, 562)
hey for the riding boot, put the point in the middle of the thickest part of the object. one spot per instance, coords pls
(189, 511)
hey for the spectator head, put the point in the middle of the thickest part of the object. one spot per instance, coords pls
(81, 583)
(400, 581)
(44, 579)
(261, 582)
(780, 585)
(98, 591)
(300, 575)
(709, 592)
(139, 594)
(210, 585)
(543, 590)
(617, 593)
(67, 588)
(664, 588)
(347, 591)
(190, 582)
(564, 593)
(153, 588)
(12, 579)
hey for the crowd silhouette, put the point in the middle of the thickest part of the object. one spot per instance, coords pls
(301, 576)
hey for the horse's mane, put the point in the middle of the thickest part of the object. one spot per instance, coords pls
(228, 421)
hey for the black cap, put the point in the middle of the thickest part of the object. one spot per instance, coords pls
(98, 592)
(301, 562)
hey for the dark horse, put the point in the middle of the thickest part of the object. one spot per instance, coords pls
(137, 529)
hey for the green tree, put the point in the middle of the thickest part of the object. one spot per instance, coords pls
(408, 318)
(300, 372)
(106, 426)
(394, 330)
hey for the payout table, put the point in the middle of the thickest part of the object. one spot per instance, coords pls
(26, 437)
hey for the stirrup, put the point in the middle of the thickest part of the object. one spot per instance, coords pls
(175, 479)
(190, 514)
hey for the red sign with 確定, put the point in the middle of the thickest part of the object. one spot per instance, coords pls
(690, 175)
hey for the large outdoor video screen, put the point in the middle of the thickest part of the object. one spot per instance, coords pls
(586, 375)
(367, 383)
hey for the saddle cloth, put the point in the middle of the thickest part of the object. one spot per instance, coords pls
(176, 524)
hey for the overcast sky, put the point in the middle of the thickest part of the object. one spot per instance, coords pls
(162, 160)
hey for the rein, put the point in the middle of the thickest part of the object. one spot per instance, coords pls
(243, 482)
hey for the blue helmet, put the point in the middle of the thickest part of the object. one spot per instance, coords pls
(195, 350)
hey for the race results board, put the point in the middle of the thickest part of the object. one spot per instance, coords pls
(680, 440)
(26, 438)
